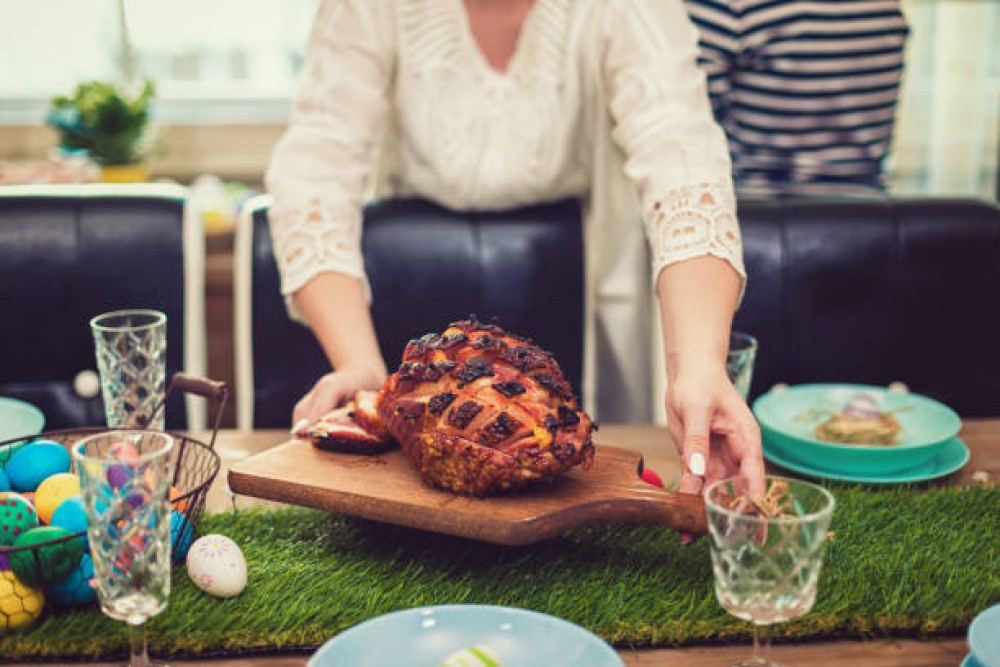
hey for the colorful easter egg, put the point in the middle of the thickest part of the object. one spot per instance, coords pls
(181, 536)
(17, 516)
(32, 463)
(4, 562)
(20, 604)
(45, 563)
(75, 590)
(179, 505)
(4, 481)
(71, 516)
(52, 492)
(217, 566)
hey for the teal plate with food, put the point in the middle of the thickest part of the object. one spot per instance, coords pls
(984, 637)
(18, 418)
(466, 636)
(950, 456)
(855, 429)
(970, 661)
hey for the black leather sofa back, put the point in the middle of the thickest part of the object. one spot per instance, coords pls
(427, 266)
(875, 292)
(69, 255)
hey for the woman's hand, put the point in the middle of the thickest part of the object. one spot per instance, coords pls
(330, 391)
(713, 429)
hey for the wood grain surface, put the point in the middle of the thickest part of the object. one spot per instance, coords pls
(386, 488)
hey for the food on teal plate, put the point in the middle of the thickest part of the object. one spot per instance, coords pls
(473, 656)
(476, 410)
(860, 422)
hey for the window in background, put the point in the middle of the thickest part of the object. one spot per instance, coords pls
(235, 61)
(948, 120)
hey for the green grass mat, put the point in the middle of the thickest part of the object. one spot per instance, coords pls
(902, 563)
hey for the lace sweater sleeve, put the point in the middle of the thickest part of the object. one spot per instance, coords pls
(675, 152)
(318, 169)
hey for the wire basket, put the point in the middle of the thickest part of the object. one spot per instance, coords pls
(195, 465)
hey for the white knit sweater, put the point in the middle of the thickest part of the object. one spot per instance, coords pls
(602, 99)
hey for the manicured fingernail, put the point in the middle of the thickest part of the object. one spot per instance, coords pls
(300, 426)
(686, 539)
(697, 464)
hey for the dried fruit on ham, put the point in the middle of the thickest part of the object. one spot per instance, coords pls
(476, 410)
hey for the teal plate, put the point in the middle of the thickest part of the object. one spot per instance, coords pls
(949, 457)
(984, 636)
(427, 636)
(18, 418)
(788, 418)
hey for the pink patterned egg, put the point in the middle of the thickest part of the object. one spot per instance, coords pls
(217, 566)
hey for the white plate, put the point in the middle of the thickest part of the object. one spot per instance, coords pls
(426, 636)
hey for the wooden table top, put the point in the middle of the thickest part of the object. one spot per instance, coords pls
(982, 437)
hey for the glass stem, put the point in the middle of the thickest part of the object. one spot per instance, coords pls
(762, 643)
(137, 642)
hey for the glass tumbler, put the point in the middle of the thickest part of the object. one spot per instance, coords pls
(131, 351)
(740, 361)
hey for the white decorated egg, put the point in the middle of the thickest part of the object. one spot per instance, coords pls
(217, 566)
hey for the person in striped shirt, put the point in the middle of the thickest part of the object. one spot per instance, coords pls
(806, 91)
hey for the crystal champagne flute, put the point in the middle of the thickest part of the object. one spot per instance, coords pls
(124, 477)
(767, 552)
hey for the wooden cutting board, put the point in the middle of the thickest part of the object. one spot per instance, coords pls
(386, 488)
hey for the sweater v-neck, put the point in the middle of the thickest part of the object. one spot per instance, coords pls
(520, 45)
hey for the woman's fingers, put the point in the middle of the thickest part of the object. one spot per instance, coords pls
(695, 447)
(325, 395)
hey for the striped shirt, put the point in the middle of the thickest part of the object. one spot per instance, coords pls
(806, 90)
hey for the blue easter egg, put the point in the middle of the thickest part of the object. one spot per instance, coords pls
(4, 482)
(181, 536)
(71, 516)
(30, 465)
(75, 589)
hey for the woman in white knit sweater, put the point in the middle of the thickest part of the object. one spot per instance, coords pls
(486, 104)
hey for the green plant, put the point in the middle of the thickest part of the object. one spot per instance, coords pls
(105, 121)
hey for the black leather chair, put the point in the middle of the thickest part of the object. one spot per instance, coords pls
(427, 266)
(72, 252)
(874, 292)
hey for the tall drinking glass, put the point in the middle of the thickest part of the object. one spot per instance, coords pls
(767, 552)
(131, 350)
(740, 361)
(124, 477)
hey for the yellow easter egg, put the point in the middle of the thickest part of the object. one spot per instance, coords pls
(20, 604)
(53, 491)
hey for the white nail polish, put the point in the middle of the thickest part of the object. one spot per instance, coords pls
(300, 426)
(697, 464)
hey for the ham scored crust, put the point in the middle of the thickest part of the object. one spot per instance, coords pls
(475, 409)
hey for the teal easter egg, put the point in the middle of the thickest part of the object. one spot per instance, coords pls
(75, 590)
(181, 536)
(45, 563)
(4, 481)
(17, 516)
(71, 516)
(31, 464)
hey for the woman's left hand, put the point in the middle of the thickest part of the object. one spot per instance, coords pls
(713, 429)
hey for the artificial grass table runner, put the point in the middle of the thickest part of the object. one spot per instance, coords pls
(901, 563)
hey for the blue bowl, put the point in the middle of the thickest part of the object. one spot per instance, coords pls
(984, 637)
(788, 418)
(429, 635)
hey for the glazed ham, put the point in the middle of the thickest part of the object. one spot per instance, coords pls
(475, 409)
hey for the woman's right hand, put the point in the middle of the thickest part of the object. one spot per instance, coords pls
(330, 391)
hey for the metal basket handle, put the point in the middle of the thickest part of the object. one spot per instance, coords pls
(193, 384)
